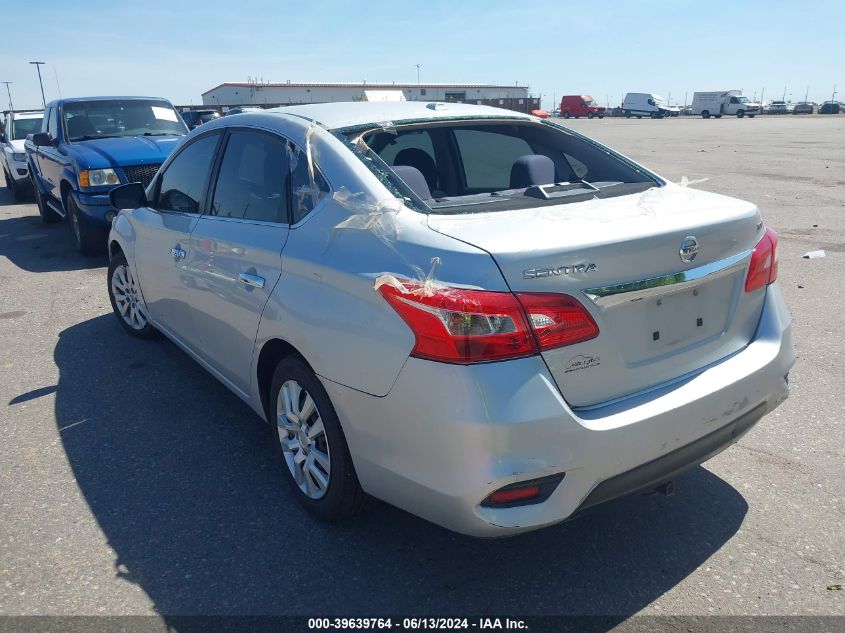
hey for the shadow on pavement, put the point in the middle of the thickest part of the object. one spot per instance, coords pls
(36, 247)
(181, 478)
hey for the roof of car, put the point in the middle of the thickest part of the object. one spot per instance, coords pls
(29, 115)
(113, 98)
(353, 113)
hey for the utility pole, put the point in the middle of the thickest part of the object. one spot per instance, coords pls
(11, 107)
(38, 65)
(833, 97)
(418, 75)
(58, 87)
(784, 94)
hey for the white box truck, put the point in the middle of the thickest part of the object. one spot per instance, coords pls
(717, 103)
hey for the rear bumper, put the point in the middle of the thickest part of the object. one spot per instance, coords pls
(447, 436)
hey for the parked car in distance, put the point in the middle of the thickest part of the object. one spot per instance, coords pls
(401, 305)
(580, 105)
(195, 118)
(779, 107)
(830, 107)
(640, 104)
(16, 127)
(804, 107)
(89, 145)
(241, 110)
(724, 102)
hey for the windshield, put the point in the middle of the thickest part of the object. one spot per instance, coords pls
(131, 117)
(591, 102)
(463, 167)
(743, 100)
(22, 127)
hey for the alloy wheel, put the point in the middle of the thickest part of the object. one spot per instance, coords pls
(127, 297)
(303, 439)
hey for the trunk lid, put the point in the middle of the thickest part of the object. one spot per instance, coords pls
(659, 317)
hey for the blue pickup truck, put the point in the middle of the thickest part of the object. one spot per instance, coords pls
(88, 146)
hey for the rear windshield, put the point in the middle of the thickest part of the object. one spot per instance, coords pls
(463, 167)
(86, 120)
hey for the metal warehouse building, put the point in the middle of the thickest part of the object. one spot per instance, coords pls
(275, 94)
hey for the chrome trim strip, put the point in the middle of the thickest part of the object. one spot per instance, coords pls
(606, 296)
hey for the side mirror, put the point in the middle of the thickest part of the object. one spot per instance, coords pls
(42, 139)
(129, 196)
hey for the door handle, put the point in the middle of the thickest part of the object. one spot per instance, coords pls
(251, 280)
(178, 253)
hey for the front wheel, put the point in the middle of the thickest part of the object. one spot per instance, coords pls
(750, 116)
(89, 240)
(311, 443)
(740, 114)
(589, 115)
(125, 298)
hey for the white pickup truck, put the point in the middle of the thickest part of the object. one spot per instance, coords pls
(16, 127)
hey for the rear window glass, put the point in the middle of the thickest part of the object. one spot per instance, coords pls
(483, 166)
(488, 157)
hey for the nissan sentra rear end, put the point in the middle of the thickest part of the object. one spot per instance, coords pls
(636, 331)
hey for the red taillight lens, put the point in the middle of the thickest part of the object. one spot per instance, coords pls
(763, 269)
(462, 326)
(558, 320)
(469, 326)
(511, 495)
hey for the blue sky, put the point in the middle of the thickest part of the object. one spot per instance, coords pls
(180, 48)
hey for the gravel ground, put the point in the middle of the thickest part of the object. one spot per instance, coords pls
(133, 483)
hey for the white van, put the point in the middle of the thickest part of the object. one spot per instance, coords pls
(640, 104)
(730, 102)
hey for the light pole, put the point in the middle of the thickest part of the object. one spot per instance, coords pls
(38, 65)
(418, 74)
(11, 107)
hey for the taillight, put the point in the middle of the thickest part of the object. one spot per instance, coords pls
(462, 326)
(454, 325)
(763, 269)
(557, 320)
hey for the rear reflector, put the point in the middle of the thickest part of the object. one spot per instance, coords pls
(523, 493)
(455, 325)
(763, 268)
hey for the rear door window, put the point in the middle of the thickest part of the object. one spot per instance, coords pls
(183, 184)
(253, 179)
(488, 157)
(308, 186)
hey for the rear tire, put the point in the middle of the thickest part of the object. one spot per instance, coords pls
(89, 240)
(705, 114)
(311, 444)
(566, 115)
(125, 297)
(740, 114)
(48, 216)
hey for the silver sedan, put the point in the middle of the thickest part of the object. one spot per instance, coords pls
(481, 317)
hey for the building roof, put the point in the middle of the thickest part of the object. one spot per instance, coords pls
(343, 114)
(372, 86)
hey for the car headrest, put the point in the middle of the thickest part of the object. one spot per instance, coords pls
(418, 158)
(531, 170)
(415, 180)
